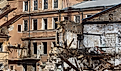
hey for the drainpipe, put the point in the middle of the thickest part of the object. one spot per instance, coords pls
(81, 12)
(59, 15)
(104, 7)
(29, 43)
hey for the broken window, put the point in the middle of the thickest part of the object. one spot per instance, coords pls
(45, 4)
(0, 47)
(24, 67)
(53, 44)
(35, 24)
(35, 4)
(1, 64)
(26, 6)
(110, 39)
(19, 52)
(45, 23)
(77, 19)
(65, 18)
(45, 47)
(35, 47)
(19, 28)
(54, 24)
(34, 67)
(110, 16)
(89, 15)
(55, 3)
(25, 25)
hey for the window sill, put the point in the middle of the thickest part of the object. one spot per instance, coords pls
(44, 54)
(35, 10)
(48, 30)
(19, 32)
(3, 52)
(25, 11)
(55, 8)
(45, 9)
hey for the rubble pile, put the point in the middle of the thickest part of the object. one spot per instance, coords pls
(70, 54)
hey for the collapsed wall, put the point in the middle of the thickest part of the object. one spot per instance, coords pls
(98, 48)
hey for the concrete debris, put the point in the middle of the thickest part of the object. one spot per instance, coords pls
(70, 54)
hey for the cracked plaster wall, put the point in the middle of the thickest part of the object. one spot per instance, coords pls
(110, 34)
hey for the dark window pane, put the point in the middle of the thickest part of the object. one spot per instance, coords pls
(65, 18)
(54, 44)
(35, 48)
(45, 23)
(25, 67)
(45, 4)
(89, 15)
(55, 3)
(45, 47)
(11, 67)
(26, 6)
(0, 47)
(35, 5)
(55, 25)
(19, 28)
(25, 25)
(77, 19)
(34, 67)
(35, 24)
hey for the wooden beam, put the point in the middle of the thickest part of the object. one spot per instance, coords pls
(70, 64)
(70, 43)
(89, 67)
(100, 22)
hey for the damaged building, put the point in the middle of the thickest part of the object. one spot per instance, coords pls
(35, 39)
(102, 30)
(4, 36)
(100, 49)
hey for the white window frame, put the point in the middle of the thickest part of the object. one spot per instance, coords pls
(53, 25)
(43, 24)
(64, 17)
(33, 24)
(43, 5)
(34, 68)
(33, 5)
(23, 25)
(75, 18)
(19, 52)
(53, 4)
(52, 45)
(24, 6)
(88, 14)
(23, 68)
(43, 48)
(17, 28)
